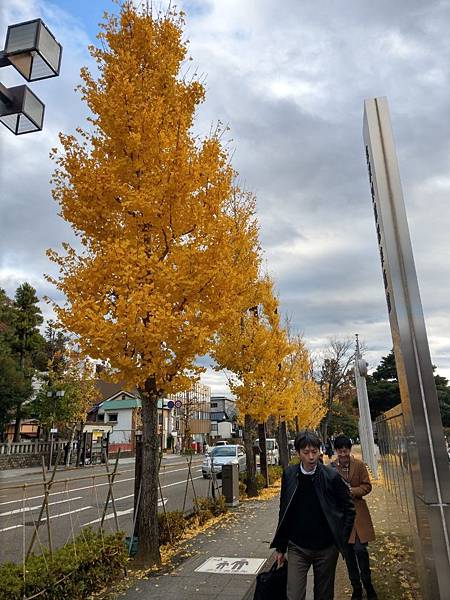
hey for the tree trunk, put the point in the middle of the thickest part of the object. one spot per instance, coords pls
(16, 438)
(249, 440)
(297, 425)
(263, 454)
(148, 546)
(283, 444)
(69, 453)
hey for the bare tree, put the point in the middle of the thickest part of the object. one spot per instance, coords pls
(335, 371)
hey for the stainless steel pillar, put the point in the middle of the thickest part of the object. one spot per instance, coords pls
(429, 469)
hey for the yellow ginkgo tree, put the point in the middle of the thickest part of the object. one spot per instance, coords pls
(168, 241)
(250, 349)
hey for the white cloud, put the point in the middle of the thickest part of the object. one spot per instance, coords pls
(290, 79)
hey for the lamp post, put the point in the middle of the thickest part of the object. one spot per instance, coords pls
(55, 395)
(33, 51)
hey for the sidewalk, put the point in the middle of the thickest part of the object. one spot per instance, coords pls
(246, 532)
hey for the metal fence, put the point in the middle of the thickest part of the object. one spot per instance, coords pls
(42, 515)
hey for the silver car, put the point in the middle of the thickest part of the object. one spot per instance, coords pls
(224, 455)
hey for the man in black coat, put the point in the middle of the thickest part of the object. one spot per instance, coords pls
(315, 521)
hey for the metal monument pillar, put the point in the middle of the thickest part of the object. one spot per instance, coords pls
(427, 457)
(365, 422)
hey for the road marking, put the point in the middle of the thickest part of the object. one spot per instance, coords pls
(178, 482)
(87, 487)
(231, 566)
(64, 514)
(12, 527)
(28, 508)
(69, 512)
(124, 497)
(120, 512)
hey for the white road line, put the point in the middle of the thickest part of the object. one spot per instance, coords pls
(178, 482)
(87, 487)
(124, 497)
(64, 514)
(28, 508)
(120, 512)
(12, 527)
(69, 512)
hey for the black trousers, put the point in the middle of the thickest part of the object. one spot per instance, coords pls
(357, 560)
(324, 568)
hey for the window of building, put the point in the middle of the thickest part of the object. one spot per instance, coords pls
(214, 404)
(101, 417)
(214, 427)
(112, 417)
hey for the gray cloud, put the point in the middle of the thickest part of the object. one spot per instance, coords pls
(290, 80)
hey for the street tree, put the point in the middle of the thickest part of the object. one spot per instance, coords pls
(169, 242)
(334, 374)
(298, 398)
(250, 349)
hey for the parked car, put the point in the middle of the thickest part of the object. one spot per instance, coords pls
(221, 443)
(273, 453)
(227, 454)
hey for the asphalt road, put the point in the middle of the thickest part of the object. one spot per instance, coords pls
(77, 500)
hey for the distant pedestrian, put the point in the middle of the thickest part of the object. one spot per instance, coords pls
(315, 521)
(356, 475)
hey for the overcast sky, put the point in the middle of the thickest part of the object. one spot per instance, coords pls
(290, 79)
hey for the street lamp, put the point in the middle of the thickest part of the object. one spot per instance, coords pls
(21, 111)
(33, 51)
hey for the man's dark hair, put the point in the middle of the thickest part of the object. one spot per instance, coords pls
(342, 441)
(306, 438)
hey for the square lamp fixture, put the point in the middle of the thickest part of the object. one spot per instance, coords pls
(32, 49)
(20, 110)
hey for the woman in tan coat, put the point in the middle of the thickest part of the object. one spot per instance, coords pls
(356, 475)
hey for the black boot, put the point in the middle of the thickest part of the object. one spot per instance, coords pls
(357, 593)
(371, 593)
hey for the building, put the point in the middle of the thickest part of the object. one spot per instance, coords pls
(223, 414)
(190, 420)
(121, 409)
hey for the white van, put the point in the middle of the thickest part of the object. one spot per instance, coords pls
(273, 452)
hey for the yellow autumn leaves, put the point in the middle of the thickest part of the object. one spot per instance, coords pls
(269, 370)
(170, 255)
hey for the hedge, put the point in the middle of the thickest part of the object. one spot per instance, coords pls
(173, 524)
(74, 572)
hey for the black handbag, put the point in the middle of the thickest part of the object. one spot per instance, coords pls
(272, 584)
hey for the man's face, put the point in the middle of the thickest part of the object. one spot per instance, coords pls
(309, 457)
(343, 455)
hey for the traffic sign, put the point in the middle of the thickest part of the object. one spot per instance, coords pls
(178, 404)
(170, 404)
